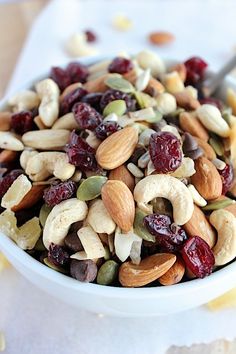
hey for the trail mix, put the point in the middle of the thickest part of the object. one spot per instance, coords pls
(121, 173)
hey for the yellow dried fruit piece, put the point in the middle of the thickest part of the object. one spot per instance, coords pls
(17, 191)
(222, 302)
(3, 262)
(122, 22)
(2, 342)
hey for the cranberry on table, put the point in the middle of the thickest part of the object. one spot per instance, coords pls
(112, 95)
(59, 192)
(120, 65)
(105, 129)
(227, 176)
(196, 68)
(7, 180)
(22, 122)
(93, 99)
(198, 256)
(90, 36)
(85, 271)
(77, 72)
(58, 255)
(70, 99)
(60, 76)
(165, 152)
(86, 116)
(81, 154)
(169, 236)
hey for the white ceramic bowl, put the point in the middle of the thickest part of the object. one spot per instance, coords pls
(124, 302)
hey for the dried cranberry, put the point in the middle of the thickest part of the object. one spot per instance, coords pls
(112, 95)
(198, 256)
(58, 255)
(105, 129)
(70, 99)
(90, 36)
(81, 154)
(196, 68)
(214, 101)
(86, 116)
(60, 76)
(93, 99)
(165, 151)
(77, 72)
(85, 271)
(227, 176)
(22, 122)
(59, 192)
(169, 236)
(120, 65)
(7, 180)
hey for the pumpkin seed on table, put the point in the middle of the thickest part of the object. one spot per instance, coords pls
(118, 107)
(220, 204)
(90, 188)
(139, 227)
(116, 82)
(108, 273)
(43, 214)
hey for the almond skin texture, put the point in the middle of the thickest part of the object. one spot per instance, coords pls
(122, 174)
(119, 203)
(117, 148)
(185, 100)
(96, 85)
(207, 179)
(200, 226)
(31, 198)
(174, 275)
(161, 38)
(208, 151)
(193, 126)
(154, 87)
(148, 270)
(131, 76)
(5, 121)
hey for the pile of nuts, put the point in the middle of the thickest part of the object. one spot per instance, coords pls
(121, 173)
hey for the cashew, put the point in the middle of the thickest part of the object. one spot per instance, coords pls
(45, 164)
(173, 82)
(38, 121)
(66, 122)
(92, 139)
(77, 46)
(197, 198)
(60, 219)
(185, 170)
(225, 224)
(46, 139)
(24, 100)
(9, 141)
(26, 155)
(99, 218)
(147, 59)
(168, 187)
(49, 93)
(143, 80)
(211, 118)
(166, 103)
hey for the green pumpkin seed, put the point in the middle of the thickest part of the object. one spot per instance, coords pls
(107, 253)
(108, 273)
(177, 112)
(43, 214)
(118, 107)
(217, 146)
(156, 119)
(116, 82)
(219, 204)
(139, 227)
(53, 266)
(144, 100)
(227, 117)
(39, 245)
(91, 187)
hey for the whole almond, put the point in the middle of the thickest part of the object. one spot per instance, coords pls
(96, 85)
(207, 179)
(148, 270)
(186, 101)
(154, 87)
(117, 148)
(161, 38)
(119, 203)
(5, 121)
(174, 275)
(181, 69)
(198, 225)
(31, 198)
(122, 173)
(192, 125)
(8, 156)
(208, 151)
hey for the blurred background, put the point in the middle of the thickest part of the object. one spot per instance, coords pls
(39, 33)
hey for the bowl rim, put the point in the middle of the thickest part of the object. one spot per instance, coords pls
(9, 247)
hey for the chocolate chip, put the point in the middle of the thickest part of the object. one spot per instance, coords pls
(73, 242)
(85, 271)
(195, 154)
(189, 144)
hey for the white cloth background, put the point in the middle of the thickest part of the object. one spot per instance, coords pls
(36, 323)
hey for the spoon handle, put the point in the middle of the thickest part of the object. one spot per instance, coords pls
(211, 84)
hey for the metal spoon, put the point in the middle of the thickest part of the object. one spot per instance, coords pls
(211, 84)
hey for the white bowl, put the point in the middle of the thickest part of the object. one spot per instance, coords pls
(155, 301)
